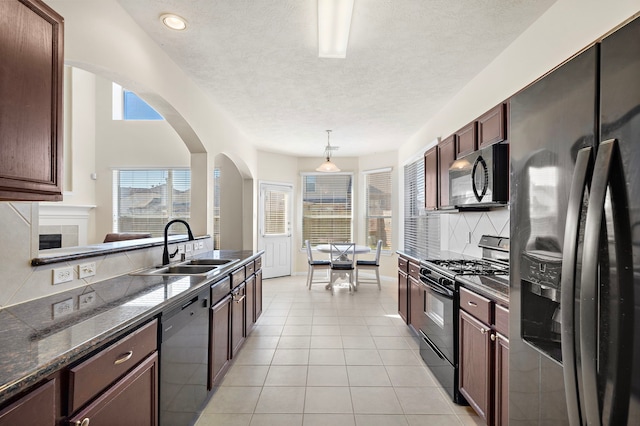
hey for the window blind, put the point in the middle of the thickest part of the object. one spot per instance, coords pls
(275, 213)
(327, 214)
(216, 208)
(415, 215)
(378, 205)
(146, 200)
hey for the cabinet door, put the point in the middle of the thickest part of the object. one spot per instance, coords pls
(492, 126)
(431, 178)
(446, 157)
(131, 401)
(416, 303)
(403, 296)
(237, 318)
(501, 392)
(258, 293)
(467, 140)
(475, 365)
(31, 48)
(37, 408)
(249, 312)
(219, 353)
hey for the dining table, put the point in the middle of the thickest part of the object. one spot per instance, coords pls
(357, 249)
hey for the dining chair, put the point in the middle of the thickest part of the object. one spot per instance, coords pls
(313, 264)
(342, 263)
(369, 264)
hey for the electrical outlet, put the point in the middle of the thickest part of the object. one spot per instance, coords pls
(63, 308)
(62, 275)
(200, 244)
(180, 248)
(86, 270)
(86, 299)
(188, 247)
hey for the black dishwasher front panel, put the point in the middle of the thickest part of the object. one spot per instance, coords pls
(183, 361)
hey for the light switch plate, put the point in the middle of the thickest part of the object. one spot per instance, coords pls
(188, 247)
(200, 244)
(86, 270)
(63, 308)
(181, 248)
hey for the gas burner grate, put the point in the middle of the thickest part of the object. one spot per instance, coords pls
(471, 267)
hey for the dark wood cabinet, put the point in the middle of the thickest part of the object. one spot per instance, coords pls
(250, 307)
(31, 48)
(403, 289)
(467, 141)
(484, 356)
(133, 400)
(219, 338)
(431, 173)
(258, 292)
(36, 408)
(238, 306)
(492, 126)
(446, 157)
(475, 367)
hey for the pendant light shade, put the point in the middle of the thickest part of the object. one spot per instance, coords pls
(328, 166)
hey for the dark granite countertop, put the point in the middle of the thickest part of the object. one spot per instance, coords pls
(33, 345)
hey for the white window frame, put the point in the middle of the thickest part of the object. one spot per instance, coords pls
(388, 218)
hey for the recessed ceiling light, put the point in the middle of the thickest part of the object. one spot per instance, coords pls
(174, 22)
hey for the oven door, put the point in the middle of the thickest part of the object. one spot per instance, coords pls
(438, 324)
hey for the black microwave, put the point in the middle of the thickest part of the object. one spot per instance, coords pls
(480, 179)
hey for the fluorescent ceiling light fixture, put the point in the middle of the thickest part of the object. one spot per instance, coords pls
(334, 23)
(174, 22)
(328, 166)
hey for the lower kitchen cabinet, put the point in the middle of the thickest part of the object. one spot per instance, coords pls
(219, 353)
(37, 408)
(238, 303)
(484, 356)
(258, 290)
(131, 401)
(403, 289)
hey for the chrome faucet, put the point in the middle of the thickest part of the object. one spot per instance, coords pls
(165, 254)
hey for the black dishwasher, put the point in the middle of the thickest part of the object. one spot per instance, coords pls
(183, 361)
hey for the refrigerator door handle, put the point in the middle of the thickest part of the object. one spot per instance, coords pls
(582, 171)
(607, 175)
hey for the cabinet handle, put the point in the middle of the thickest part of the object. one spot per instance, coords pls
(240, 300)
(83, 422)
(470, 303)
(123, 358)
(483, 331)
(494, 337)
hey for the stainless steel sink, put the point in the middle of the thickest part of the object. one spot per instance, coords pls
(219, 262)
(194, 267)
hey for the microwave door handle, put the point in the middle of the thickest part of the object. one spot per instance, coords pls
(485, 181)
(608, 174)
(582, 170)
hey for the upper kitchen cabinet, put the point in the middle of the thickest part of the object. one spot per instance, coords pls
(431, 178)
(467, 140)
(31, 48)
(492, 126)
(446, 157)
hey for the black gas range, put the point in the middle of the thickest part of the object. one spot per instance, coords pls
(438, 328)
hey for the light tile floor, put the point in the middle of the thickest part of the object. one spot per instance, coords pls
(345, 359)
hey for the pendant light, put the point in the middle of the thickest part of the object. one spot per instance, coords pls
(328, 166)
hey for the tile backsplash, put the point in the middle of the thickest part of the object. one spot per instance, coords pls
(464, 229)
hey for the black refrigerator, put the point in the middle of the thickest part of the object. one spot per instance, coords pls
(574, 347)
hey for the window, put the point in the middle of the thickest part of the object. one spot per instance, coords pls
(146, 200)
(326, 208)
(421, 230)
(378, 204)
(216, 208)
(129, 106)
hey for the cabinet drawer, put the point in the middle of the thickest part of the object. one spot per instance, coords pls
(249, 268)
(414, 270)
(259, 263)
(95, 374)
(476, 305)
(237, 277)
(403, 264)
(502, 320)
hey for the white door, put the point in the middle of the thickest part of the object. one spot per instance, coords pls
(275, 229)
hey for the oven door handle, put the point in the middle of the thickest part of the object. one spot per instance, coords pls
(437, 288)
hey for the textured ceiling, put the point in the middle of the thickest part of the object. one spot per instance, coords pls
(258, 61)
